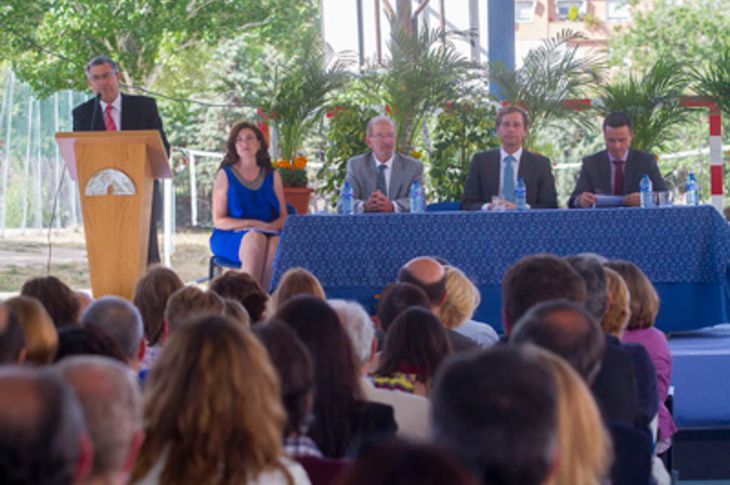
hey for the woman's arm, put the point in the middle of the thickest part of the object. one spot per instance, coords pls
(221, 220)
(278, 223)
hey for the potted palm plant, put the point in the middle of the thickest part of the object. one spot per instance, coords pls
(300, 89)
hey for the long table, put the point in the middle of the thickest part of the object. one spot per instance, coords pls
(683, 250)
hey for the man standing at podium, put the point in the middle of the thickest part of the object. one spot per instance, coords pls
(111, 111)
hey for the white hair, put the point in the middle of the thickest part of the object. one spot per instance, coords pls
(359, 327)
(379, 119)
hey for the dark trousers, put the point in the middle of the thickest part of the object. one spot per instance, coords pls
(153, 250)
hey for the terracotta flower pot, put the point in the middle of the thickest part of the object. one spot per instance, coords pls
(298, 197)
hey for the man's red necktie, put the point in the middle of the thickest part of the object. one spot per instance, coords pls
(618, 178)
(108, 120)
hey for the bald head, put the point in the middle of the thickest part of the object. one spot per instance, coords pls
(121, 320)
(429, 275)
(112, 407)
(41, 428)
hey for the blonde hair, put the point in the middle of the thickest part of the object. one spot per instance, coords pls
(212, 406)
(41, 336)
(296, 281)
(619, 300)
(644, 299)
(462, 298)
(584, 444)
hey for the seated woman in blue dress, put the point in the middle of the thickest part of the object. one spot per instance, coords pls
(248, 204)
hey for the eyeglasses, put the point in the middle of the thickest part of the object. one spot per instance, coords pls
(100, 77)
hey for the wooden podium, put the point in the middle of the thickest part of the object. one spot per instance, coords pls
(115, 171)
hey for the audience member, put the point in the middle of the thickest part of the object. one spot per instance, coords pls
(84, 300)
(415, 346)
(212, 411)
(583, 441)
(188, 303)
(41, 336)
(618, 312)
(295, 281)
(403, 463)
(151, 293)
(537, 278)
(87, 340)
(497, 411)
(430, 275)
(462, 299)
(112, 408)
(43, 439)
(411, 411)
(396, 298)
(57, 298)
(243, 288)
(237, 312)
(343, 421)
(122, 322)
(644, 307)
(12, 337)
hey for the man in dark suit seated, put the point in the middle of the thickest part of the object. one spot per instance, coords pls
(618, 169)
(495, 172)
(111, 111)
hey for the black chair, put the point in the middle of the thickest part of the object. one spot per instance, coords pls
(216, 264)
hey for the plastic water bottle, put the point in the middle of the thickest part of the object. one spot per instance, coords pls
(645, 189)
(346, 198)
(520, 195)
(415, 194)
(690, 195)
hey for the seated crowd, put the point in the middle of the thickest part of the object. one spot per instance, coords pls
(232, 385)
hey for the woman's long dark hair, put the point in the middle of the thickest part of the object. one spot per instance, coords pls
(263, 159)
(336, 381)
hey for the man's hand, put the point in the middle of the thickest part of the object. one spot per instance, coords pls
(377, 202)
(632, 199)
(586, 199)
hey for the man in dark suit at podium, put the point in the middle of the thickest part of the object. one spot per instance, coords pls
(111, 110)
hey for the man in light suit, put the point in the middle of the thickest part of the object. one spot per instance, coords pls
(618, 169)
(490, 174)
(110, 110)
(381, 179)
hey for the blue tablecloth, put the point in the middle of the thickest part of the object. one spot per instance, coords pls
(683, 250)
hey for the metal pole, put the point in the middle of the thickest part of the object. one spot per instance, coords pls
(193, 192)
(167, 205)
(6, 162)
(26, 163)
(360, 34)
(56, 163)
(38, 206)
(71, 185)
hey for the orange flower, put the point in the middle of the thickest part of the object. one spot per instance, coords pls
(283, 164)
(300, 162)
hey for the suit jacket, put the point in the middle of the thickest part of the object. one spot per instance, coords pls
(362, 174)
(615, 388)
(595, 174)
(138, 113)
(485, 174)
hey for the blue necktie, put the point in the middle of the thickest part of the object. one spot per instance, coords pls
(380, 180)
(508, 179)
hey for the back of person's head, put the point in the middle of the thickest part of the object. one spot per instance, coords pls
(538, 278)
(112, 407)
(87, 340)
(396, 298)
(57, 298)
(566, 329)
(121, 320)
(497, 411)
(151, 293)
(237, 312)
(591, 270)
(296, 281)
(295, 369)
(12, 337)
(190, 302)
(644, 298)
(416, 343)
(619, 307)
(584, 443)
(41, 336)
(462, 298)
(336, 376)
(403, 463)
(212, 395)
(359, 328)
(42, 433)
(429, 275)
(244, 288)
